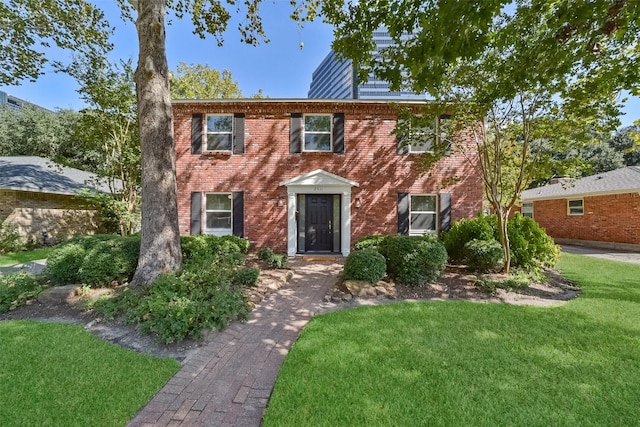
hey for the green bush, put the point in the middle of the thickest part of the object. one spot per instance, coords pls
(206, 248)
(181, 305)
(63, 264)
(365, 264)
(110, 260)
(10, 240)
(531, 247)
(18, 288)
(247, 276)
(369, 242)
(264, 254)
(463, 231)
(484, 255)
(413, 260)
(278, 261)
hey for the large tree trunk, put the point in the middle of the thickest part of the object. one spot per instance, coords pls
(160, 246)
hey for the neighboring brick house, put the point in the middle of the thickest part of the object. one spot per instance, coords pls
(40, 198)
(312, 176)
(602, 209)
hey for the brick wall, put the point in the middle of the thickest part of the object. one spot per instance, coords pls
(370, 158)
(609, 218)
(60, 216)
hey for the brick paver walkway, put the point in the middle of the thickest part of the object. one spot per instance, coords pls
(228, 382)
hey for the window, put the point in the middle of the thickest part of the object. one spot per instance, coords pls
(421, 135)
(527, 210)
(218, 214)
(219, 132)
(422, 214)
(317, 132)
(575, 207)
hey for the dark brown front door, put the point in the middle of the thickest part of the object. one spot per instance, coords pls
(319, 223)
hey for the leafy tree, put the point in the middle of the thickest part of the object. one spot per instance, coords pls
(519, 76)
(627, 142)
(201, 82)
(30, 27)
(110, 129)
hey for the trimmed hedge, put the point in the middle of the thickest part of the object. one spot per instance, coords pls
(365, 264)
(369, 242)
(484, 255)
(481, 228)
(413, 260)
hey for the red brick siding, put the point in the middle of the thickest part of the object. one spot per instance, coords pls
(370, 159)
(609, 218)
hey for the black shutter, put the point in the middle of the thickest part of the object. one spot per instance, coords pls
(238, 133)
(196, 134)
(445, 133)
(295, 133)
(196, 213)
(338, 133)
(403, 147)
(238, 213)
(445, 211)
(403, 213)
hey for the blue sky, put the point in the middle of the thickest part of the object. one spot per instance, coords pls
(281, 68)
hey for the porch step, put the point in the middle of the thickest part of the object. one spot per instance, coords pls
(322, 258)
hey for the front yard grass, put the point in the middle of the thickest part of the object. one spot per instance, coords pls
(469, 364)
(24, 256)
(55, 374)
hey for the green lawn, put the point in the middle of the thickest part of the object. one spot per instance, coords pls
(55, 374)
(24, 256)
(471, 364)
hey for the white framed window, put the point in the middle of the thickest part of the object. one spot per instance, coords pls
(218, 213)
(317, 132)
(219, 132)
(423, 214)
(575, 207)
(422, 135)
(527, 209)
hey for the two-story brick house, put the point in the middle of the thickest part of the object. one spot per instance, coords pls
(312, 176)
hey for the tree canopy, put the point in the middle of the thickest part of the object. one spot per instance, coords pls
(199, 81)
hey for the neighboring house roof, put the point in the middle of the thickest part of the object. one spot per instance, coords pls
(36, 174)
(619, 181)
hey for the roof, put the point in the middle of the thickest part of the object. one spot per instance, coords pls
(619, 181)
(299, 101)
(37, 174)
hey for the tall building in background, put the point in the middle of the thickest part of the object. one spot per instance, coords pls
(16, 104)
(335, 79)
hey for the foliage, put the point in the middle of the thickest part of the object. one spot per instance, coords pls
(247, 276)
(531, 247)
(483, 255)
(10, 239)
(272, 259)
(198, 81)
(94, 260)
(31, 28)
(465, 230)
(50, 370)
(413, 260)
(365, 264)
(205, 248)
(25, 256)
(369, 242)
(264, 254)
(18, 288)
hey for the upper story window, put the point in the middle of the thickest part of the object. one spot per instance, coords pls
(317, 132)
(423, 216)
(575, 207)
(527, 209)
(422, 135)
(419, 134)
(219, 132)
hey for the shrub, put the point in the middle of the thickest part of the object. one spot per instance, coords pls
(463, 231)
(484, 255)
(18, 288)
(365, 264)
(531, 247)
(264, 254)
(413, 260)
(206, 248)
(110, 260)
(10, 240)
(247, 276)
(63, 264)
(369, 242)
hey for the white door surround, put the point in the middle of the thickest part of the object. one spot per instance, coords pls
(319, 182)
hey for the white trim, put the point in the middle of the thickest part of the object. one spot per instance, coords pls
(580, 195)
(569, 207)
(207, 133)
(319, 182)
(304, 133)
(217, 231)
(434, 212)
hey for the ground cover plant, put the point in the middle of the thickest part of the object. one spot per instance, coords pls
(467, 364)
(60, 375)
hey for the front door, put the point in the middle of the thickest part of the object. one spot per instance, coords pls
(319, 222)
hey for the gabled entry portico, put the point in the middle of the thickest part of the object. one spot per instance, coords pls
(319, 213)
